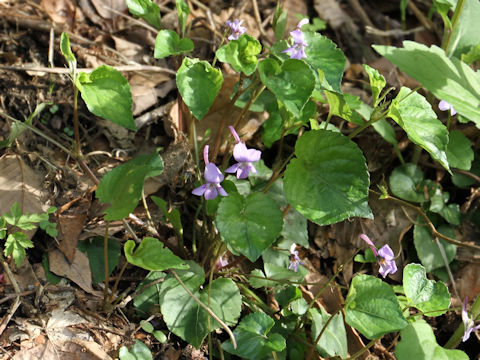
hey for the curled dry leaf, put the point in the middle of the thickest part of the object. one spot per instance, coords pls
(60, 11)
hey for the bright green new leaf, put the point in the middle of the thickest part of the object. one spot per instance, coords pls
(467, 28)
(279, 21)
(199, 84)
(149, 298)
(152, 255)
(147, 10)
(333, 341)
(122, 186)
(459, 151)
(249, 225)
(107, 94)
(15, 245)
(66, 50)
(139, 351)
(328, 181)
(418, 342)
(472, 56)
(344, 106)
(169, 43)
(406, 183)
(182, 12)
(377, 82)
(372, 308)
(241, 54)
(448, 78)
(253, 339)
(414, 114)
(428, 296)
(323, 54)
(292, 82)
(184, 317)
(96, 256)
(427, 248)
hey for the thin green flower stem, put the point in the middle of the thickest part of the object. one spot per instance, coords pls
(78, 148)
(430, 225)
(252, 297)
(195, 147)
(105, 260)
(280, 281)
(361, 351)
(447, 266)
(206, 308)
(457, 335)
(117, 281)
(219, 46)
(329, 116)
(372, 120)
(223, 122)
(220, 350)
(449, 121)
(447, 35)
(312, 349)
(250, 102)
(276, 174)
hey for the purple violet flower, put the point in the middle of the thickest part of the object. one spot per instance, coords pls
(244, 156)
(444, 106)
(294, 259)
(214, 177)
(468, 322)
(385, 257)
(297, 50)
(236, 28)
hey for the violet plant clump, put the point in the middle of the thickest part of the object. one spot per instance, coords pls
(468, 322)
(297, 50)
(244, 156)
(214, 177)
(236, 28)
(385, 257)
(444, 106)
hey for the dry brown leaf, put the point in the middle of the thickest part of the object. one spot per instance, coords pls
(103, 7)
(143, 90)
(60, 11)
(78, 271)
(468, 281)
(19, 183)
(70, 227)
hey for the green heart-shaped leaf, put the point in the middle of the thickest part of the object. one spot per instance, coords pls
(199, 84)
(249, 225)
(292, 82)
(448, 78)
(372, 308)
(122, 186)
(241, 54)
(325, 58)
(328, 181)
(169, 43)
(107, 94)
(426, 295)
(184, 317)
(152, 255)
(414, 114)
(253, 341)
(418, 342)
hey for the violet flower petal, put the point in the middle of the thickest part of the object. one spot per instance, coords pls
(242, 154)
(212, 174)
(236, 28)
(199, 191)
(444, 106)
(233, 169)
(210, 192)
(370, 243)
